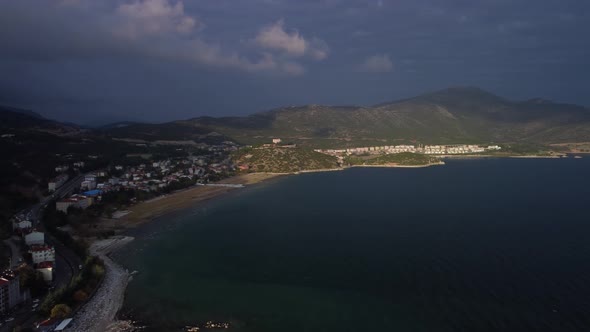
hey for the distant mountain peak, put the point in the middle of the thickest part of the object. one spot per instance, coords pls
(470, 92)
(21, 111)
(539, 101)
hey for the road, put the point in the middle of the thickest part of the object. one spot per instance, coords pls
(16, 254)
(66, 261)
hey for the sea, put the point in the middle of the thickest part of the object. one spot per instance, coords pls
(474, 245)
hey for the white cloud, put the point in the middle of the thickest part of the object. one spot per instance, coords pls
(379, 63)
(137, 29)
(293, 68)
(275, 37)
(152, 17)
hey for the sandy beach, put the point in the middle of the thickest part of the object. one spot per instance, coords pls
(400, 166)
(162, 205)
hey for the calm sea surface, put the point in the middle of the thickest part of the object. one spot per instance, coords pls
(475, 245)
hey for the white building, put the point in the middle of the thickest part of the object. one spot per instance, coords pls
(21, 224)
(46, 269)
(9, 292)
(56, 183)
(88, 185)
(77, 201)
(62, 168)
(34, 238)
(42, 254)
(276, 140)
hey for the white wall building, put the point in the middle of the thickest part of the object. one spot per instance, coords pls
(35, 238)
(77, 201)
(42, 254)
(46, 269)
(88, 185)
(9, 292)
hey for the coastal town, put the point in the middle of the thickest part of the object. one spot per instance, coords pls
(45, 258)
(48, 242)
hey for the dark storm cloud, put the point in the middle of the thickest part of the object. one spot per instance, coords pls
(133, 59)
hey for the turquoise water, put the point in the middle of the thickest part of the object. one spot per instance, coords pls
(475, 245)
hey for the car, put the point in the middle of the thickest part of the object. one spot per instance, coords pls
(9, 319)
(80, 267)
(36, 300)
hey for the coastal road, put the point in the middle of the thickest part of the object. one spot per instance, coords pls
(66, 261)
(16, 255)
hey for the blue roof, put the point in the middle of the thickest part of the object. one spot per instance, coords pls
(94, 192)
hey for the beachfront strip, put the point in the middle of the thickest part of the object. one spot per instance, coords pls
(155, 176)
(423, 149)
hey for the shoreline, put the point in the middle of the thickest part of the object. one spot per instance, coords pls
(99, 313)
(148, 210)
(400, 166)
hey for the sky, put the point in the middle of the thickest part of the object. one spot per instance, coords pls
(91, 61)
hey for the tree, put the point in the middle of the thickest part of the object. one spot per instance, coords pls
(60, 311)
(80, 296)
(32, 280)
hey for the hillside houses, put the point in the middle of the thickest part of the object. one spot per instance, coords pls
(154, 176)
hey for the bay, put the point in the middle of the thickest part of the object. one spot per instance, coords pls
(475, 245)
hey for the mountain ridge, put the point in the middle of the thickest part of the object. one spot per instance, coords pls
(448, 116)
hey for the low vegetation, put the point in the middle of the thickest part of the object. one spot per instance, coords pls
(282, 160)
(402, 159)
(77, 292)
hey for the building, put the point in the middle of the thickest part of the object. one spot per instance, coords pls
(46, 269)
(9, 291)
(56, 183)
(42, 254)
(35, 238)
(21, 224)
(62, 168)
(276, 140)
(76, 201)
(88, 184)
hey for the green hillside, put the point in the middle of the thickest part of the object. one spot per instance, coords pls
(457, 115)
(450, 116)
